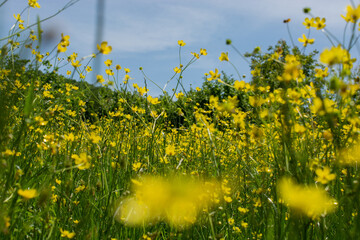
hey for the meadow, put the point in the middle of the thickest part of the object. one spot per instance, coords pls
(273, 158)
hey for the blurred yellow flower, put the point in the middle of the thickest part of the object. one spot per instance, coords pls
(224, 57)
(214, 75)
(82, 161)
(181, 43)
(28, 193)
(324, 175)
(67, 234)
(350, 155)
(308, 200)
(352, 14)
(306, 40)
(34, 4)
(108, 62)
(104, 48)
(177, 201)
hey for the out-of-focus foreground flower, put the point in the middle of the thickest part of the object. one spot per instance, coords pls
(177, 201)
(308, 200)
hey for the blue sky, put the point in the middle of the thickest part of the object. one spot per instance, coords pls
(144, 33)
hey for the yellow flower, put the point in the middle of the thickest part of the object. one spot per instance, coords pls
(308, 200)
(203, 52)
(18, 18)
(308, 22)
(170, 150)
(214, 75)
(94, 138)
(350, 156)
(181, 43)
(28, 193)
(177, 200)
(67, 234)
(64, 43)
(352, 14)
(292, 69)
(108, 62)
(109, 72)
(305, 40)
(319, 73)
(319, 23)
(335, 55)
(224, 57)
(104, 48)
(34, 4)
(100, 79)
(195, 55)
(75, 63)
(177, 70)
(227, 199)
(324, 176)
(82, 161)
(153, 100)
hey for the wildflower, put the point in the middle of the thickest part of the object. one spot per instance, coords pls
(287, 20)
(170, 150)
(181, 43)
(310, 201)
(177, 69)
(104, 48)
(153, 100)
(324, 176)
(109, 72)
(319, 73)
(224, 57)
(308, 22)
(239, 85)
(336, 55)
(319, 23)
(350, 155)
(231, 221)
(136, 166)
(306, 40)
(82, 161)
(75, 64)
(64, 43)
(203, 52)
(179, 95)
(108, 62)
(94, 138)
(118, 67)
(243, 210)
(79, 189)
(352, 14)
(291, 69)
(195, 55)
(127, 70)
(34, 4)
(67, 234)
(127, 78)
(18, 18)
(177, 200)
(88, 69)
(227, 199)
(28, 193)
(214, 75)
(100, 79)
